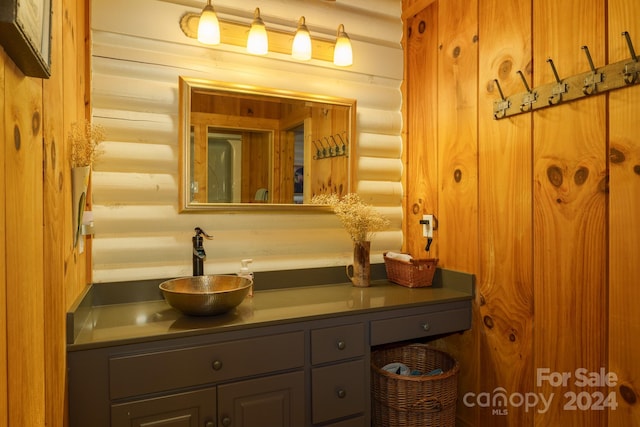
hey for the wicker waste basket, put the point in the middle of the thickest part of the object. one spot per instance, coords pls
(418, 400)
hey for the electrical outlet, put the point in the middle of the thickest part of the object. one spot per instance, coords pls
(427, 226)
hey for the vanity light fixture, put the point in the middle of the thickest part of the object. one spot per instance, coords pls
(208, 26)
(258, 41)
(222, 31)
(301, 47)
(342, 53)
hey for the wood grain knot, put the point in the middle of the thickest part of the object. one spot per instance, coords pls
(422, 26)
(60, 181)
(616, 156)
(53, 154)
(16, 137)
(475, 38)
(35, 122)
(603, 185)
(457, 175)
(505, 69)
(636, 169)
(456, 51)
(628, 395)
(488, 322)
(415, 208)
(581, 175)
(483, 301)
(512, 337)
(554, 174)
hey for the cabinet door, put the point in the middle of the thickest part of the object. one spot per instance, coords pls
(190, 409)
(274, 401)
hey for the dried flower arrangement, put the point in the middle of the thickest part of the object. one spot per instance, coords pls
(359, 219)
(85, 138)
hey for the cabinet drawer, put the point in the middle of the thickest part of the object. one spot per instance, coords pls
(337, 391)
(337, 343)
(139, 374)
(418, 326)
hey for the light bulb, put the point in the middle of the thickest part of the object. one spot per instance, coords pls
(342, 52)
(209, 27)
(301, 48)
(258, 41)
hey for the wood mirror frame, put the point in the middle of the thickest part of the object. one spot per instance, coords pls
(281, 137)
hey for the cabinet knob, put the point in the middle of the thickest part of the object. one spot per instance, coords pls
(342, 393)
(216, 365)
(226, 421)
(209, 424)
(341, 345)
(426, 326)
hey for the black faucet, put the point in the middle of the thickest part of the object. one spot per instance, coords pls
(199, 255)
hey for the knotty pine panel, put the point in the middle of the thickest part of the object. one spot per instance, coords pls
(457, 167)
(24, 248)
(624, 228)
(3, 265)
(569, 210)
(420, 131)
(505, 285)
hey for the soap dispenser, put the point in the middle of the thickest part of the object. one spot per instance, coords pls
(246, 272)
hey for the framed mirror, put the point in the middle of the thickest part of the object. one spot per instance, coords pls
(248, 147)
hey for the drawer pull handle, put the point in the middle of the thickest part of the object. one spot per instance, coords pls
(426, 327)
(341, 345)
(342, 393)
(209, 424)
(226, 421)
(216, 365)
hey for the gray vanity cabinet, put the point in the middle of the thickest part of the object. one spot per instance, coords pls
(295, 373)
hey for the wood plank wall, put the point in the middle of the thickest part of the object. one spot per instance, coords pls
(40, 272)
(553, 202)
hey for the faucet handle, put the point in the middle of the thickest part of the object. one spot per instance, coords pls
(200, 232)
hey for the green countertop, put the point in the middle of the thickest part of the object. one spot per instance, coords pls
(92, 325)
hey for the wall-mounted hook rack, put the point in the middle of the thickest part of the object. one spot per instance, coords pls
(595, 81)
(328, 150)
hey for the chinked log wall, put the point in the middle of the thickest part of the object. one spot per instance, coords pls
(136, 63)
(542, 206)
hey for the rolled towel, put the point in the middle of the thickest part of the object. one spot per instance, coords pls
(401, 257)
(397, 368)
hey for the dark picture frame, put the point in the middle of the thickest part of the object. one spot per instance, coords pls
(25, 34)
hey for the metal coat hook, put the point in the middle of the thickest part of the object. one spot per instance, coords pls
(559, 88)
(592, 79)
(529, 98)
(500, 107)
(343, 149)
(332, 150)
(631, 69)
(319, 154)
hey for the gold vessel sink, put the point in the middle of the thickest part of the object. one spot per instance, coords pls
(205, 295)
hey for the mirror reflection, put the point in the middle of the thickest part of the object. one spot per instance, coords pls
(244, 146)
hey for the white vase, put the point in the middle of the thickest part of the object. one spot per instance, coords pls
(80, 182)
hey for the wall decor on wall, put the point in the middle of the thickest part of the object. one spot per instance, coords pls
(25, 34)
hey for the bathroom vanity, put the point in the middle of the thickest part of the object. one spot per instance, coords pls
(288, 356)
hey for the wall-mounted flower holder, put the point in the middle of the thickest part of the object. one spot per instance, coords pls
(80, 183)
(596, 81)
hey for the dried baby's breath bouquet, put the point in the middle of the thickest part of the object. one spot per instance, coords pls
(359, 219)
(84, 139)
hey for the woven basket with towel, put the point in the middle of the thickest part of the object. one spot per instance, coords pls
(407, 271)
